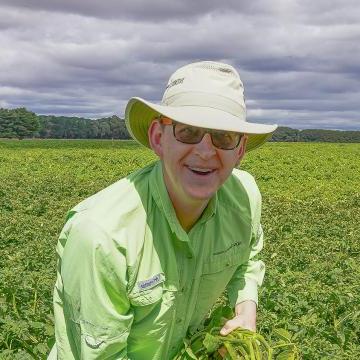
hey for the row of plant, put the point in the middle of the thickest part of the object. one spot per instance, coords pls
(311, 212)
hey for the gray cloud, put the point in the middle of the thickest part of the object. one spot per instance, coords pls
(299, 61)
(140, 10)
(308, 11)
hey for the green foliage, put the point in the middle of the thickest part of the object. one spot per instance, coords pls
(285, 134)
(18, 123)
(311, 212)
(329, 135)
(239, 344)
(21, 123)
(315, 135)
(64, 127)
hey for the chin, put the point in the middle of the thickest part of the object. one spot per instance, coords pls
(200, 194)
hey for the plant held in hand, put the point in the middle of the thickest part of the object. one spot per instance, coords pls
(239, 344)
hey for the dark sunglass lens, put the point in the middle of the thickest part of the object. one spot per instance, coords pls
(188, 134)
(225, 140)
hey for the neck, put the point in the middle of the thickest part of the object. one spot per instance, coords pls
(188, 214)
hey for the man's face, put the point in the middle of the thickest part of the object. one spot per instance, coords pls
(193, 172)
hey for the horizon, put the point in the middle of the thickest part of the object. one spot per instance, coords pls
(123, 118)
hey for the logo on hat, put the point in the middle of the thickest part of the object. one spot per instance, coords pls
(175, 82)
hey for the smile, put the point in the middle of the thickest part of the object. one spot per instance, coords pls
(201, 171)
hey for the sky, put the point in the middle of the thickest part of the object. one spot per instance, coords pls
(299, 60)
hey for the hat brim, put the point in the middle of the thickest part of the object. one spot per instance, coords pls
(139, 114)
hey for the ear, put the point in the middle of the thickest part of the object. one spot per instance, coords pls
(242, 148)
(155, 133)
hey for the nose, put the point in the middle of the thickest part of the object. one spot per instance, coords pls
(205, 148)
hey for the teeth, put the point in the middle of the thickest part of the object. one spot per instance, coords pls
(200, 170)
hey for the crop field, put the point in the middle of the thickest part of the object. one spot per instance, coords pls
(311, 220)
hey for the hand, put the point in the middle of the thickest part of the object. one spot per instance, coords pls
(245, 318)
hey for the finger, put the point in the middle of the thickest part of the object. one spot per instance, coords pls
(227, 328)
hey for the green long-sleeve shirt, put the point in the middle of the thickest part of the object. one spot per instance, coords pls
(131, 282)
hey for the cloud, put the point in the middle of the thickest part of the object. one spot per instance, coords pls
(299, 60)
(141, 10)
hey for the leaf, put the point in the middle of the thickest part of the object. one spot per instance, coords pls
(218, 316)
(251, 349)
(197, 344)
(211, 343)
(287, 355)
(232, 352)
(297, 334)
(50, 342)
(257, 350)
(49, 330)
(283, 334)
(190, 354)
(36, 325)
(42, 349)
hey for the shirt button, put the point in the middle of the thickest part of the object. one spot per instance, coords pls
(178, 320)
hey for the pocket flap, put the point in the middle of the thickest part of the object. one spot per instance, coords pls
(148, 291)
(220, 262)
(147, 297)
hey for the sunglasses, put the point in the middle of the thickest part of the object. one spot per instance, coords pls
(187, 134)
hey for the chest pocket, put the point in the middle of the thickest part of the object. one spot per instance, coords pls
(220, 262)
(154, 313)
(148, 296)
(158, 298)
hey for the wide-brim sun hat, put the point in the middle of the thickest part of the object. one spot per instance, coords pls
(206, 94)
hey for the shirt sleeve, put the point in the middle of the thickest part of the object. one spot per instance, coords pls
(92, 310)
(249, 276)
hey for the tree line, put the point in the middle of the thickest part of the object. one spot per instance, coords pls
(21, 123)
(315, 135)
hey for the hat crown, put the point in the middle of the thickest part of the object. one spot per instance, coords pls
(199, 83)
(206, 94)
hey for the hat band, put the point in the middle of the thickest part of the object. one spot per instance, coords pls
(207, 100)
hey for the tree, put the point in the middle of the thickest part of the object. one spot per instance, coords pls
(285, 134)
(18, 123)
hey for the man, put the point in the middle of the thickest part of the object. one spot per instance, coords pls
(142, 261)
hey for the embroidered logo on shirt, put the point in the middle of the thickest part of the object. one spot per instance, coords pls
(238, 243)
(150, 283)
